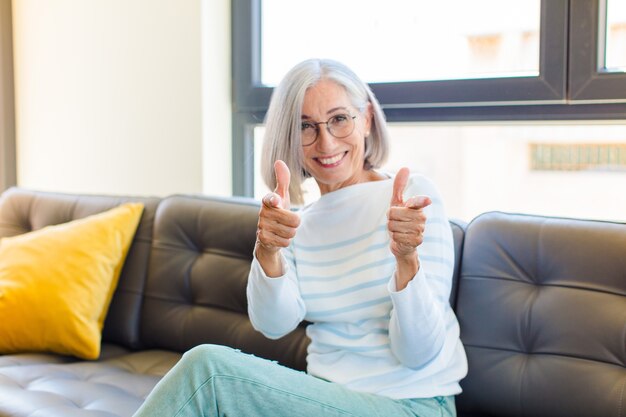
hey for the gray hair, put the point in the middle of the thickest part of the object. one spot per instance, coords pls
(283, 121)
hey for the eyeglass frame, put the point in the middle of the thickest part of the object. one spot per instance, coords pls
(317, 128)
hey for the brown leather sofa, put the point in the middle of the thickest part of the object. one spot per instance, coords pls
(541, 302)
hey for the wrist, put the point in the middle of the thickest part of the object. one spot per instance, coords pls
(408, 259)
(269, 259)
(406, 268)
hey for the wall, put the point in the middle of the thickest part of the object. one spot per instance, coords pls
(7, 116)
(109, 96)
(216, 98)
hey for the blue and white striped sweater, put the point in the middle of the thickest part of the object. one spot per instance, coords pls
(339, 276)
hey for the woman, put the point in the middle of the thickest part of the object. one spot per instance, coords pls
(369, 265)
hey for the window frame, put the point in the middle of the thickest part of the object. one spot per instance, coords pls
(547, 96)
(588, 82)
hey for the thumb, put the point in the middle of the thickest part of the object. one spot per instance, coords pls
(399, 184)
(418, 202)
(283, 177)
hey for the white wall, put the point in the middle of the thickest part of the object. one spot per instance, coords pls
(109, 96)
(216, 97)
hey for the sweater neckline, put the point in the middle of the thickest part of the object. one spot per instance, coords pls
(335, 197)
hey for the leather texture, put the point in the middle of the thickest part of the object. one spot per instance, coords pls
(541, 303)
(104, 388)
(542, 308)
(107, 351)
(196, 288)
(458, 234)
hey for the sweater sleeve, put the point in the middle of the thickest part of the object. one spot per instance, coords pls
(418, 323)
(275, 306)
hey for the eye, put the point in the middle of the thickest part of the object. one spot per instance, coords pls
(339, 119)
(306, 126)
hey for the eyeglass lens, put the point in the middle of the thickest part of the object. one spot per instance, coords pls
(340, 126)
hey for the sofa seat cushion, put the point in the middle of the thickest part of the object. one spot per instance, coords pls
(114, 387)
(107, 351)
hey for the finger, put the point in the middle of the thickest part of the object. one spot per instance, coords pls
(283, 177)
(278, 230)
(418, 202)
(406, 214)
(407, 240)
(283, 217)
(399, 184)
(272, 200)
(406, 227)
(270, 240)
(402, 250)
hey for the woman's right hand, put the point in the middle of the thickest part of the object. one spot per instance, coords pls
(277, 224)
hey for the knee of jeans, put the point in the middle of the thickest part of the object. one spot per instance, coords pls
(202, 351)
(207, 354)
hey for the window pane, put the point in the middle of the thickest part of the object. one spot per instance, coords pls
(572, 170)
(404, 40)
(615, 55)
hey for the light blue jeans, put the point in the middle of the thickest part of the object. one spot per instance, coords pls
(215, 380)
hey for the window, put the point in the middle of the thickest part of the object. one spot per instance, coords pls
(594, 35)
(472, 128)
(615, 35)
(481, 167)
(481, 39)
(526, 82)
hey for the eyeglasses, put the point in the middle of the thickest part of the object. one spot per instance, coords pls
(340, 126)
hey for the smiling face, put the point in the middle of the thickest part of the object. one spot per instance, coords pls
(335, 162)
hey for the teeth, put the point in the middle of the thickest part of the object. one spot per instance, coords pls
(330, 161)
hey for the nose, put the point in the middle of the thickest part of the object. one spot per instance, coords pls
(325, 141)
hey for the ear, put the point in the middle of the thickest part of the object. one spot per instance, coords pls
(368, 115)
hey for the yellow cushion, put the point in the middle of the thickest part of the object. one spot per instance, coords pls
(56, 283)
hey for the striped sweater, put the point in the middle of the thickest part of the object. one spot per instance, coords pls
(339, 275)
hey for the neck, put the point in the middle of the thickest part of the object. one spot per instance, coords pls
(366, 176)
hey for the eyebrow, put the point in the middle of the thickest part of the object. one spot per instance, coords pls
(334, 109)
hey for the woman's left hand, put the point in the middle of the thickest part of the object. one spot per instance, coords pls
(406, 223)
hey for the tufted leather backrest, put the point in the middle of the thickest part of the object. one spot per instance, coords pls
(196, 287)
(23, 211)
(542, 308)
(458, 235)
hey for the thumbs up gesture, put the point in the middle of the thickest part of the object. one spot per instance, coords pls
(277, 225)
(280, 197)
(406, 220)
